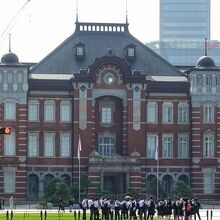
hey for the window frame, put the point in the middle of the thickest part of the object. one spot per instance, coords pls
(182, 155)
(49, 152)
(32, 153)
(167, 153)
(208, 117)
(62, 111)
(33, 103)
(63, 151)
(10, 111)
(151, 105)
(47, 115)
(103, 149)
(183, 113)
(208, 153)
(167, 109)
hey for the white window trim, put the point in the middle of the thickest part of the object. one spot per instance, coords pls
(13, 118)
(212, 116)
(65, 103)
(208, 134)
(152, 104)
(61, 144)
(53, 150)
(180, 105)
(164, 106)
(49, 102)
(151, 135)
(184, 135)
(33, 102)
(171, 142)
(37, 135)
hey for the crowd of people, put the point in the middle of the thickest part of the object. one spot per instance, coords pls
(143, 209)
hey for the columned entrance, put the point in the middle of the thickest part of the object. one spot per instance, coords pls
(114, 183)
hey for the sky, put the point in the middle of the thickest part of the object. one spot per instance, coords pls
(42, 25)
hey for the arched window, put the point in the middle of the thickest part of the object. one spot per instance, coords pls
(32, 188)
(167, 112)
(208, 144)
(152, 112)
(65, 111)
(184, 178)
(47, 179)
(167, 184)
(33, 110)
(49, 111)
(66, 179)
(183, 112)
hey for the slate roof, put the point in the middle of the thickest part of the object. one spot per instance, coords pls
(62, 60)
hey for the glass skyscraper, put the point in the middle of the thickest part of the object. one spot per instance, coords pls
(184, 19)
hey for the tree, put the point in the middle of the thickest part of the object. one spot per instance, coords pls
(182, 190)
(56, 188)
(152, 188)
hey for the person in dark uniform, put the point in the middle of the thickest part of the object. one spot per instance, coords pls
(61, 205)
(196, 207)
(151, 209)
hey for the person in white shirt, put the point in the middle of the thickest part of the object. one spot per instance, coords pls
(117, 206)
(96, 209)
(91, 207)
(84, 206)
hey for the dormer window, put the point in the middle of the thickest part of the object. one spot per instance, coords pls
(130, 52)
(80, 51)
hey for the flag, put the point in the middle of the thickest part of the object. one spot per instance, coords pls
(156, 150)
(79, 149)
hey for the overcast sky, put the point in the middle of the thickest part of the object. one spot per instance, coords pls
(43, 24)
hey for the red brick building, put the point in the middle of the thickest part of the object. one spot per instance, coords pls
(122, 99)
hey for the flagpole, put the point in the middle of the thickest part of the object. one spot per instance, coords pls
(157, 159)
(78, 156)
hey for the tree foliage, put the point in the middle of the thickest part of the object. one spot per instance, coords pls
(182, 190)
(56, 188)
(152, 188)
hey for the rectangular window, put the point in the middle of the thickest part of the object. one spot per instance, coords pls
(49, 112)
(131, 52)
(33, 144)
(208, 180)
(151, 113)
(33, 109)
(151, 145)
(49, 144)
(9, 144)
(208, 114)
(167, 114)
(9, 180)
(106, 146)
(208, 145)
(65, 144)
(65, 112)
(106, 115)
(79, 51)
(10, 111)
(183, 114)
(167, 146)
(183, 146)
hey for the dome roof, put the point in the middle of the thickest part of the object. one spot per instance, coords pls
(10, 58)
(205, 62)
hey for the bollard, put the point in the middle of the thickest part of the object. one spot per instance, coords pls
(78, 215)
(45, 215)
(7, 215)
(11, 215)
(74, 215)
(211, 214)
(207, 214)
(41, 215)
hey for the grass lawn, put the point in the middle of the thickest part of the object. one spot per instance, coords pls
(50, 216)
